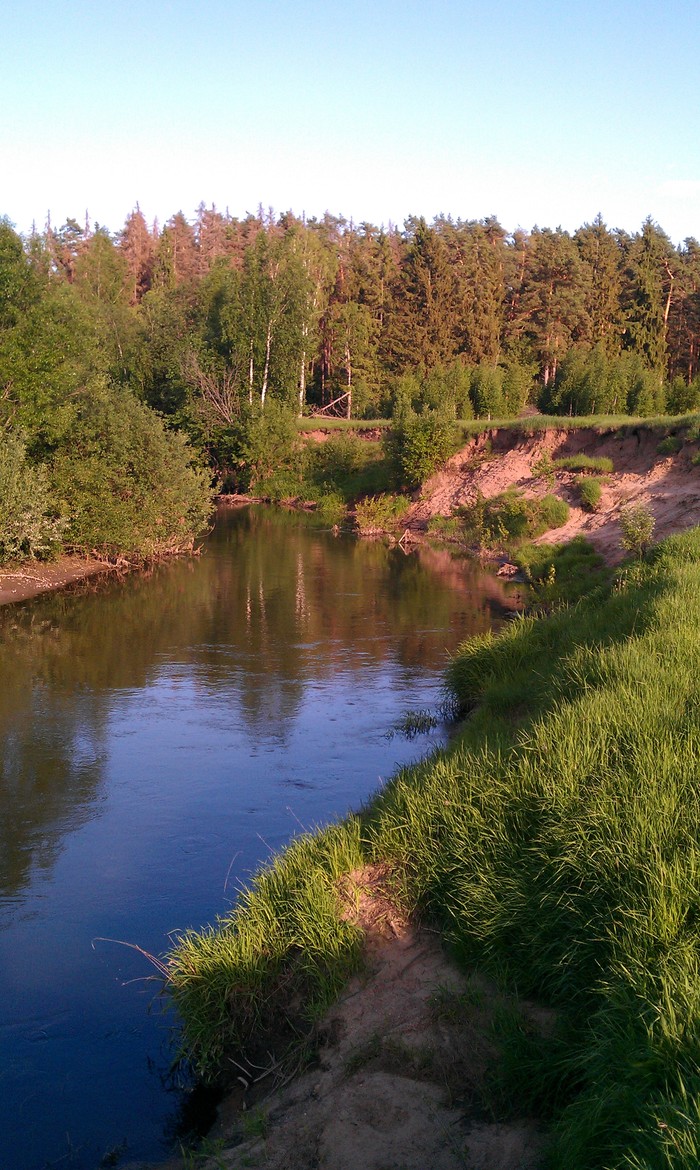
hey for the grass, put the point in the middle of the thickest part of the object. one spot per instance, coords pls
(556, 846)
(561, 573)
(380, 514)
(585, 463)
(589, 490)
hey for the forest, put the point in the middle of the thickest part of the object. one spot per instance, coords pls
(152, 355)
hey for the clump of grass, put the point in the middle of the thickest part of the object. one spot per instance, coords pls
(585, 463)
(331, 508)
(670, 445)
(446, 527)
(414, 723)
(380, 514)
(263, 974)
(589, 490)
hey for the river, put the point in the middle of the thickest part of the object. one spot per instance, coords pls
(160, 737)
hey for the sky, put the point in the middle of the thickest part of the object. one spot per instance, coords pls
(535, 111)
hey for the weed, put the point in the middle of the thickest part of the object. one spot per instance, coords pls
(414, 723)
(637, 524)
(544, 469)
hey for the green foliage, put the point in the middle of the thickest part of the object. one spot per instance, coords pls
(585, 463)
(128, 485)
(379, 514)
(589, 490)
(593, 382)
(418, 444)
(682, 397)
(347, 465)
(671, 445)
(561, 573)
(30, 525)
(510, 518)
(543, 468)
(270, 451)
(637, 525)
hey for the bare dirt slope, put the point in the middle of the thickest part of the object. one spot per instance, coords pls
(669, 486)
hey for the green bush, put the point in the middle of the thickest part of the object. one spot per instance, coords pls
(30, 525)
(637, 524)
(508, 519)
(379, 514)
(670, 445)
(348, 466)
(418, 444)
(589, 491)
(129, 486)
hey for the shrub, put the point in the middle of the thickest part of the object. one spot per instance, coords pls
(670, 445)
(379, 514)
(589, 491)
(418, 443)
(549, 512)
(130, 486)
(510, 518)
(543, 468)
(637, 524)
(30, 525)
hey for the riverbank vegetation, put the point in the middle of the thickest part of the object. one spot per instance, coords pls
(231, 329)
(555, 846)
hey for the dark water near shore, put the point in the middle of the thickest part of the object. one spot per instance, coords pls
(159, 737)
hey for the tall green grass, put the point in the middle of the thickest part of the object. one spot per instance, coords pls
(556, 844)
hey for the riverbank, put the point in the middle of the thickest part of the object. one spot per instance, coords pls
(21, 582)
(553, 847)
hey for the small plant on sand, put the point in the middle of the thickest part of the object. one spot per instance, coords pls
(670, 445)
(543, 468)
(637, 524)
(589, 491)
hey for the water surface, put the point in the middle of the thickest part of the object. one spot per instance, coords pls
(159, 737)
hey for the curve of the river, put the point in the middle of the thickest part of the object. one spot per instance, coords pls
(159, 737)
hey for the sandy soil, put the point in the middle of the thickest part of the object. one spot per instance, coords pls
(668, 486)
(402, 1066)
(28, 580)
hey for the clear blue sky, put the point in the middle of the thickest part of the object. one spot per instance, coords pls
(531, 110)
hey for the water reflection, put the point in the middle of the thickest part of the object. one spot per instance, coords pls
(150, 731)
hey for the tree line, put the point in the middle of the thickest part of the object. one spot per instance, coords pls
(229, 327)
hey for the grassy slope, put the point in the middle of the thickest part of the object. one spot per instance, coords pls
(557, 844)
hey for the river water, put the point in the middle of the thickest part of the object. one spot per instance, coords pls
(160, 736)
